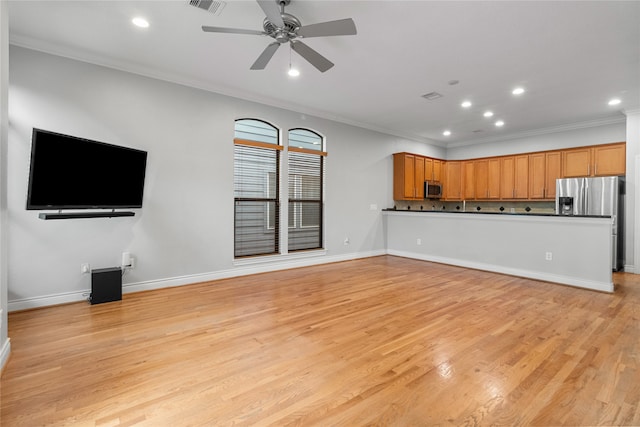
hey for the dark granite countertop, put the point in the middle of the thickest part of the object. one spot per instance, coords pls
(475, 212)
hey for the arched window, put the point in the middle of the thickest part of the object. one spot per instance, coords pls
(256, 180)
(306, 185)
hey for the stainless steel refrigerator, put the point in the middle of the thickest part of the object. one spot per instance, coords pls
(602, 196)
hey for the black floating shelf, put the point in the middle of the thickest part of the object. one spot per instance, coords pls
(76, 215)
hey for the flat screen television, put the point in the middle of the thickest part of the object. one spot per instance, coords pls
(68, 172)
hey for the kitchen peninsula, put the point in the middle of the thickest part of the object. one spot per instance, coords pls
(570, 250)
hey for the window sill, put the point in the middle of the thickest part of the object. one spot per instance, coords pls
(280, 257)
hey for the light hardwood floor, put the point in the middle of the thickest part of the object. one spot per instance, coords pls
(377, 341)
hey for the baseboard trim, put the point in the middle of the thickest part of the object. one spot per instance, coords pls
(4, 354)
(629, 268)
(537, 275)
(242, 270)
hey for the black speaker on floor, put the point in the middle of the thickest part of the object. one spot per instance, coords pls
(106, 285)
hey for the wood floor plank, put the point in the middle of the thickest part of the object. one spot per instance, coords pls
(376, 341)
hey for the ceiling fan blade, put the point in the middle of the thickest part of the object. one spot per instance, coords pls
(271, 9)
(314, 58)
(231, 30)
(265, 56)
(341, 27)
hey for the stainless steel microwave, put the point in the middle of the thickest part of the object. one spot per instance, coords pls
(432, 190)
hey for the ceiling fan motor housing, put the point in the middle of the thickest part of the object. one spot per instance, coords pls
(286, 33)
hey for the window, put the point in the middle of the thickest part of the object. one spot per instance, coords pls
(256, 188)
(306, 176)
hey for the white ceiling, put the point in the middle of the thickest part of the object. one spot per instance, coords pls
(572, 57)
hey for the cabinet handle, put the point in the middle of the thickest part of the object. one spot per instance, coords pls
(588, 170)
(544, 192)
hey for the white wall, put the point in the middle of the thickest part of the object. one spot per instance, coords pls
(543, 141)
(4, 90)
(632, 222)
(184, 232)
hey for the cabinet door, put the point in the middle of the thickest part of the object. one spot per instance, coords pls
(507, 178)
(493, 178)
(437, 170)
(452, 180)
(553, 164)
(609, 160)
(428, 169)
(418, 183)
(409, 177)
(521, 177)
(576, 162)
(468, 178)
(404, 177)
(481, 172)
(537, 176)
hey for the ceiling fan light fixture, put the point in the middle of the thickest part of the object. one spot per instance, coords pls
(140, 22)
(293, 72)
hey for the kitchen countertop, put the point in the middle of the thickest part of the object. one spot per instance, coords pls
(430, 211)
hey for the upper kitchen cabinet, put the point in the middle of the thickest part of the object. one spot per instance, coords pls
(544, 169)
(432, 169)
(408, 176)
(468, 180)
(452, 180)
(487, 178)
(599, 160)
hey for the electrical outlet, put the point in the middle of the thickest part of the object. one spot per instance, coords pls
(548, 256)
(373, 207)
(85, 268)
(346, 241)
(418, 241)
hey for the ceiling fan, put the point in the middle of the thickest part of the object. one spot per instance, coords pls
(286, 28)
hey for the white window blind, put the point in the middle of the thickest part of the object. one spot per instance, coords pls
(256, 178)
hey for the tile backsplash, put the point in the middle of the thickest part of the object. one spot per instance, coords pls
(546, 207)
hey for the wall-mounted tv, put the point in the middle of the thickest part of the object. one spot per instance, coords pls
(68, 172)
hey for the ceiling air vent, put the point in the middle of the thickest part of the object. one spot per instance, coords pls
(210, 6)
(432, 95)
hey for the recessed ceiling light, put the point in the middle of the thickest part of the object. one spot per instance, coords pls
(488, 114)
(499, 123)
(293, 72)
(446, 133)
(140, 22)
(518, 91)
(466, 104)
(615, 101)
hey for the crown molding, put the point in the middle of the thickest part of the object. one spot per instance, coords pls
(630, 112)
(543, 131)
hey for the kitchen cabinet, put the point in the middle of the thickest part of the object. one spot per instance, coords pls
(610, 160)
(408, 176)
(553, 171)
(507, 177)
(432, 170)
(452, 180)
(599, 160)
(536, 175)
(521, 177)
(483, 178)
(468, 180)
